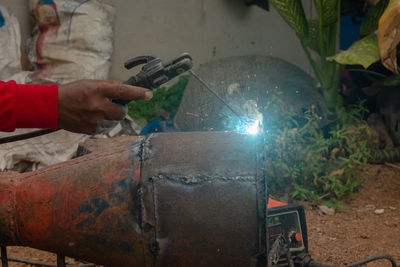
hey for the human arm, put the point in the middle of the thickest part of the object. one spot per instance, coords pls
(83, 104)
(27, 106)
(76, 107)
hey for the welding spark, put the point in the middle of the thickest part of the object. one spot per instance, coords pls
(247, 126)
(253, 128)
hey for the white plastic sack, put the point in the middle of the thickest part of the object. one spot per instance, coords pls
(10, 52)
(72, 39)
(39, 151)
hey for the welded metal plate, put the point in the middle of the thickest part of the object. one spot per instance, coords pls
(205, 198)
(213, 154)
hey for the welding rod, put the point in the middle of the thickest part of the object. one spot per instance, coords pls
(213, 92)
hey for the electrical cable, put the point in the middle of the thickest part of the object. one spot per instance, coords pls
(311, 263)
(24, 136)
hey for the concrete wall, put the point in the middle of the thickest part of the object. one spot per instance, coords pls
(207, 29)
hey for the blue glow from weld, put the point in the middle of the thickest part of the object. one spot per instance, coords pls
(246, 126)
(253, 128)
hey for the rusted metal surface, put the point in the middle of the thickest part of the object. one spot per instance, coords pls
(169, 199)
(83, 208)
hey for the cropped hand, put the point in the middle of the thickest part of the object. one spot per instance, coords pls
(83, 104)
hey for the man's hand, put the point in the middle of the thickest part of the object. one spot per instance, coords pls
(83, 104)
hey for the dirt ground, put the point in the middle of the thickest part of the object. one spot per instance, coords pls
(349, 235)
(358, 232)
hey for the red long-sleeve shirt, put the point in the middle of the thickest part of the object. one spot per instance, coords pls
(28, 106)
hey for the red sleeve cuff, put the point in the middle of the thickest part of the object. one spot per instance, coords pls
(36, 106)
(7, 106)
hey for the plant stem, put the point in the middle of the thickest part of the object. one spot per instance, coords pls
(322, 45)
(333, 29)
(339, 71)
(312, 62)
(336, 27)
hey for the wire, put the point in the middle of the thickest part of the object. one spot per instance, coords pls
(208, 87)
(313, 263)
(24, 136)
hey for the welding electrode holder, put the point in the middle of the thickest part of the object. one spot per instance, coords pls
(155, 72)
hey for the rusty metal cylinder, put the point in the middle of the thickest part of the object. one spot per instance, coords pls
(168, 199)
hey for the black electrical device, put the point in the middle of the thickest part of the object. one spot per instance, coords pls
(288, 224)
(155, 72)
(287, 237)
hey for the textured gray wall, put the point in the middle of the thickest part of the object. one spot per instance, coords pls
(207, 29)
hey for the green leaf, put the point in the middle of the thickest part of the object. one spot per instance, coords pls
(393, 80)
(293, 13)
(169, 100)
(362, 52)
(327, 10)
(370, 21)
(313, 33)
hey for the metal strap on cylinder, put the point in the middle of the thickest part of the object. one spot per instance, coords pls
(262, 199)
(61, 260)
(4, 259)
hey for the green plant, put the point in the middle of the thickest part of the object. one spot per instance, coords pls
(372, 47)
(316, 166)
(167, 99)
(318, 38)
